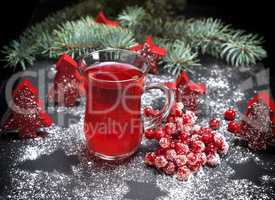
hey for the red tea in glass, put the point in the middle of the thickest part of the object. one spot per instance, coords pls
(113, 123)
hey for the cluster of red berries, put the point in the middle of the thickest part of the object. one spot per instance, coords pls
(230, 116)
(184, 147)
(256, 125)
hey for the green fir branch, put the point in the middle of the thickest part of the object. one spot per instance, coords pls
(131, 16)
(179, 57)
(84, 35)
(67, 31)
(243, 50)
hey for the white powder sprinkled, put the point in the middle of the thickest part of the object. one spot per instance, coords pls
(84, 178)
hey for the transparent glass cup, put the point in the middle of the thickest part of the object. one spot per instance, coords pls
(114, 83)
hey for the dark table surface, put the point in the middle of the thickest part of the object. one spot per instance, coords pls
(58, 167)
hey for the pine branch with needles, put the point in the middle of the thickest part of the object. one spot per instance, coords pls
(185, 39)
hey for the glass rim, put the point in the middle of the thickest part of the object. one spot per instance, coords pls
(144, 72)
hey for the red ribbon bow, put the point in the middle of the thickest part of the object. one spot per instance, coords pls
(153, 48)
(102, 19)
(264, 97)
(190, 86)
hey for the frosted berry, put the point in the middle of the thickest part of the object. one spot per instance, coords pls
(210, 149)
(164, 142)
(159, 133)
(150, 158)
(170, 168)
(207, 137)
(198, 146)
(233, 127)
(160, 161)
(213, 159)
(181, 160)
(219, 140)
(195, 137)
(183, 173)
(194, 161)
(184, 136)
(150, 112)
(160, 151)
(181, 148)
(230, 114)
(203, 158)
(149, 134)
(171, 154)
(196, 129)
(223, 149)
(214, 123)
(170, 128)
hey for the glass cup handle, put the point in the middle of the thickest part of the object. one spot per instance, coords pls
(164, 112)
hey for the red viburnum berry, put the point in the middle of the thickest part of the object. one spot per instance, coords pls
(207, 137)
(193, 161)
(164, 142)
(150, 158)
(181, 148)
(203, 158)
(214, 123)
(150, 112)
(196, 129)
(181, 160)
(160, 161)
(160, 151)
(233, 127)
(159, 133)
(198, 146)
(171, 154)
(218, 140)
(230, 114)
(213, 159)
(170, 128)
(183, 173)
(195, 137)
(223, 149)
(149, 134)
(184, 136)
(170, 168)
(210, 149)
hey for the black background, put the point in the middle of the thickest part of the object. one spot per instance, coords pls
(253, 16)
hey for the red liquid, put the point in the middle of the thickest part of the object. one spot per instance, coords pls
(113, 125)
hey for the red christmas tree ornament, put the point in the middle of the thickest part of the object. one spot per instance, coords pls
(151, 51)
(27, 114)
(68, 83)
(102, 19)
(256, 127)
